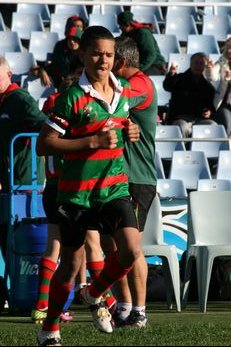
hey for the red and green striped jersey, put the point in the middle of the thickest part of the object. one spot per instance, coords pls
(93, 176)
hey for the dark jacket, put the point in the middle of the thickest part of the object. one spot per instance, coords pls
(188, 96)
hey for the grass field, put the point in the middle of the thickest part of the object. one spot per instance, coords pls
(166, 328)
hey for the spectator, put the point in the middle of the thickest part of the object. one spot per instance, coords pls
(65, 52)
(93, 189)
(19, 113)
(191, 95)
(151, 60)
(221, 71)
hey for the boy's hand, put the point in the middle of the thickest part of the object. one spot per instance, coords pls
(106, 138)
(132, 131)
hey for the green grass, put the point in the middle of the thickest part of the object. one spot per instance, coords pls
(166, 328)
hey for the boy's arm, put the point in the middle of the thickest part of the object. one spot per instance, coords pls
(50, 142)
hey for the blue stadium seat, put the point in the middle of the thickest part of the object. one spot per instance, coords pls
(166, 149)
(58, 23)
(213, 184)
(219, 26)
(162, 95)
(109, 21)
(202, 43)
(138, 10)
(168, 44)
(42, 9)
(72, 10)
(169, 188)
(224, 165)
(20, 63)
(35, 88)
(42, 44)
(181, 26)
(182, 60)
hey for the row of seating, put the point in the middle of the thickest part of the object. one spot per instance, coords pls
(190, 166)
(216, 136)
(175, 188)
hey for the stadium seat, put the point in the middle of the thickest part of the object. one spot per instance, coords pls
(182, 60)
(209, 236)
(42, 9)
(42, 44)
(189, 166)
(138, 10)
(148, 18)
(167, 44)
(162, 95)
(169, 188)
(159, 166)
(35, 88)
(219, 26)
(10, 42)
(2, 23)
(25, 23)
(20, 63)
(166, 149)
(58, 23)
(211, 148)
(181, 11)
(213, 184)
(106, 9)
(72, 10)
(109, 21)
(153, 244)
(224, 165)
(202, 43)
(181, 26)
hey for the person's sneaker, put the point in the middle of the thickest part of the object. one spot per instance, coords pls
(49, 338)
(136, 320)
(38, 316)
(100, 313)
(118, 322)
(65, 317)
(101, 317)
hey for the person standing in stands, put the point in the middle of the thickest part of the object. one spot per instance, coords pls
(151, 60)
(88, 125)
(191, 95)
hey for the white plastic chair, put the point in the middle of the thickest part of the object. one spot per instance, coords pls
(109, 21)
(42, 44)
(182, 60)
(213, 184)
(219, 26)
(35, 88)
(42, 9)
(20, 64)
(224, 165)
(25, 23)
(202, 43)
(166, 149)
(181, 26)
(72, 10)
(189, 166)
(209, 236)
(167, 44)
(169, 188)
(10, 42)
(211, 148)
(163, 96)
(159, 166)
(153, 244)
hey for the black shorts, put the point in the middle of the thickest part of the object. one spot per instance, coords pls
(50, 205)
(142, 196)
(108, 218)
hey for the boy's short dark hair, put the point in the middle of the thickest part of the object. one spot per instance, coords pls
(93, 33)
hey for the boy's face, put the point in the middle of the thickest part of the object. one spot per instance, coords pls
(98, 59)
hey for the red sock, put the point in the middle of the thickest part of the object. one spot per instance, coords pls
(47, 268)
(95, 268)
(59, 293)
(111, 273)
